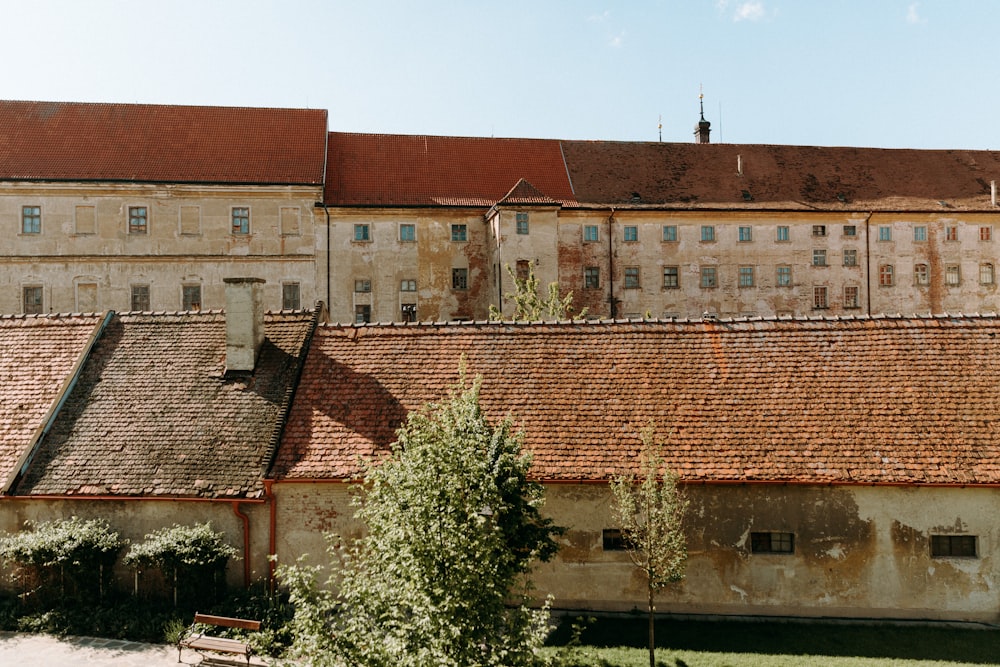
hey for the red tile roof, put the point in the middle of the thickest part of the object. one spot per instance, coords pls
(154, 414)
(785, 177)
(402, 170)
(867, 401)
(61, 141)
(38, 356)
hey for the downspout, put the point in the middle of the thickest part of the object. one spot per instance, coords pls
(611, 264)
(272, 523)
(246, 542)
(868, 260)
(21, 466)
(322, 205)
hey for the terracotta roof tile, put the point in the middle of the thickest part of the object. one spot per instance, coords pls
(889, 400)
(39, 353)
(401, 170)
(161, 143)
(154, 414)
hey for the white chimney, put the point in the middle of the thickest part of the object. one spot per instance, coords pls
(244, 322)
(993, 193)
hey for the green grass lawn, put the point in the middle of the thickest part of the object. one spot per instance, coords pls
(620, 642)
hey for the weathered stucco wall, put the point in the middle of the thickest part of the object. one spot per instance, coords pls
(134, 519)
(859, 552)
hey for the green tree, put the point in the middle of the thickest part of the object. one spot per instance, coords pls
(529, 306)
(439, 579)
(650, 509)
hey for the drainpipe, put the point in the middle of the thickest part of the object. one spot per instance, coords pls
(868, 260)
(322, 205)
(611, 264)
(246, 542)
(271, 538)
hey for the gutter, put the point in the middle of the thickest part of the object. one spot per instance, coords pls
(611, 265)
(868, 261)
(328, 231)
(23, 461)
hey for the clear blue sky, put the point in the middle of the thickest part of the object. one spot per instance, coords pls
(884, 73)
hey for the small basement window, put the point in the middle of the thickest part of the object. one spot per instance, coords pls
(772, 543)
(613, 539)
(953, 546)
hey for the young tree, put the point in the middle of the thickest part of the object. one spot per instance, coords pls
(453, 526)
(529, 306)
(650, 510)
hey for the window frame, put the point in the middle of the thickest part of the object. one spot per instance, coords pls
(669, 234)
(31, 216)
(188, 301)
(408, 312)
(852, 297)
(851, 253)
(821, 297)
(954, 546)
(708, 233)
(591, 277)
(783, 276)
(407, 232)
(921, 274)
(774, 542)
(240, 219)
(135, 294)
(671, 277)
(886, 275)
(459, 232)
(631, 278)
(745, 234)
(362, 285)
(884, 233)
(408, 285)
(850, 231)
(819, 231)
(37, 305)
(708, 277)
(630, 233)
(521, 223)
(459, 278)
(782, 234)
(920, 233)
(291, 296)
(138, 220)
(953, 275)
(951, 233)
(591, 233)
(614, 539)
(987, 273)
(986, 233)
(362, 313)
(362, 232)
(746, 276)
(819, 257)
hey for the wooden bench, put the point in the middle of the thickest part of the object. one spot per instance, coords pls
(197, 641)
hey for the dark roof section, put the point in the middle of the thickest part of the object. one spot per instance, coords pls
(39, 354)
(154, 413)
(64, 141)
(784, 177)
(865, 401)
(405, 170)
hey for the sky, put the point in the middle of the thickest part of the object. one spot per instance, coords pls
(871, 73)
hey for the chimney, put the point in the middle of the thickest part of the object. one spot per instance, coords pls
(244, 322)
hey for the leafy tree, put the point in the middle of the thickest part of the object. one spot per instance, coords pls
(650, 510)
(196, 554)
(81, 552)
(529, 306)
(453, 527)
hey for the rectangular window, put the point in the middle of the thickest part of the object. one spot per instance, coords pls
(363, 285)
(746, 234)
(951, 233)
(592, 277)
(920, 233)
(290, 296)
(953, 546)
(670, 233)
(613, 539)
(671, 277)
(952, 277)
(820, 301)
(884, 233)
(707, 233)
(289, 218)
(819, 257)
(921, 274)
(986, 233)
(31, 219)
(138, 219)
(782, 233)
(850, 257)
(460, 278)
(886, 275)
(140, 298)
(407, 232)
(772, 543)
(784, 276)
(190, 220)
(459, 233)
(631, 233)
(86, 219)
(32, 300)
(523, 269)
(986, 275)
(362, 232)
(362, 314)
(709, 278)
(631, 277)
(408, 285)
(746, 276)
(241, 220)
(191, 297)
(521, 220)
(850, 230)
(851, 297)
(819, 230)
(591, 233)
(409, 312)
